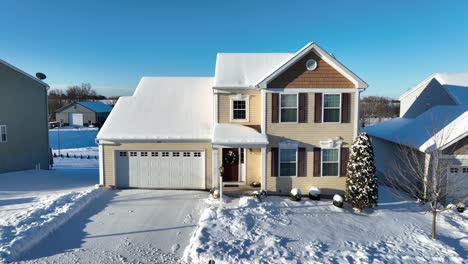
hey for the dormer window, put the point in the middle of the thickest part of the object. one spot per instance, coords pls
(239, 108)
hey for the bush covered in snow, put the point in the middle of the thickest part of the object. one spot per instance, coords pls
(338, 200)
(214, 193)
(314, 193)
(296, 194)
(461, 207)
(255, 184)
(361, 182)
(259, 194)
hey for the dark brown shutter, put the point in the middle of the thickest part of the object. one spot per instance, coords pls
(274, 107)
(344, 157)
(274, 162)
(302, 162)
(345, 108)
(318, 108)
(302, 107)
(317, 162)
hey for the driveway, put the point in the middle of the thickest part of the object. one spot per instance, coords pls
(126, 226)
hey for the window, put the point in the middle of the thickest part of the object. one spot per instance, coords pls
(453, 170)
(3, 133)
(165, 154)
(154, 154)
(330, 162)
(465, 170)
(186, 154)
(331, 107)
(240, 108)
(288, 161)
(123, 154)
(144, 154)
(288, 107)
(133, 154)
(175, 154)
(197, 154)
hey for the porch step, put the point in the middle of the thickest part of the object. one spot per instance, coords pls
(238, 191)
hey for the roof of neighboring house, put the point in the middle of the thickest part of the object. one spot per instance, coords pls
(98, 107)
(163, 108)
(24, 73)
(438, 127)
(242, 70)
(456, 84)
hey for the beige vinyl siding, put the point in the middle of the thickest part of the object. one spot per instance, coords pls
(109, 150)
(309, 136)
(253, 165)
(224, 108)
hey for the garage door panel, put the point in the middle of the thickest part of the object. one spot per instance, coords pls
(161, 169)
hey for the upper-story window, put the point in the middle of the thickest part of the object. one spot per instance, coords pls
(3, 133)
(239, 108)
(288, 105)
(331, 107)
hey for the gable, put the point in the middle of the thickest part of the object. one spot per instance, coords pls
(298, 76)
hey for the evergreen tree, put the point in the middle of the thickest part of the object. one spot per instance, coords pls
(361, 182)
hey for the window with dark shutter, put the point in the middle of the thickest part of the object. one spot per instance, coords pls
(274, 162)
(317, 161)
(345, 108)
(318, 108)
(302, 107)
(344, 157)
(274, 107)
(302, 162)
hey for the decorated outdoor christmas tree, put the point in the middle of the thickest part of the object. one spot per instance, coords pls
(361, 182)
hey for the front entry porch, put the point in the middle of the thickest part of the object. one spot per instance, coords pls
(239, 156)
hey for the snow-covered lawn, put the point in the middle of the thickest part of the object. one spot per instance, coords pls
(34, 203)
(278, 230)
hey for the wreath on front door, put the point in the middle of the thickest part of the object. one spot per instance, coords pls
(230, 157)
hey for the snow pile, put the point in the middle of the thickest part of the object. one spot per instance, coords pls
(26, 228)
(278, 230)
(337, 198)
(314, 191)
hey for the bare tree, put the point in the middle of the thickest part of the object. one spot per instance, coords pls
(56, 100)
(422, 171)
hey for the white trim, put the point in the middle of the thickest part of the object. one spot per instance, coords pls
(323, 108)
(263, 117)
(338, 148)
(312, 90)
(1, 134)
(331, 143)
(357, 100)
(215, 112)
(297, 108)
(239, 97)
(322, 54)
(101, 164)
(263, 168)
(287, 145)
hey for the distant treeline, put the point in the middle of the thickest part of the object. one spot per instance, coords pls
(374, 109)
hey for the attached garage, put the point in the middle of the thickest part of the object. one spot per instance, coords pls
(166, 169)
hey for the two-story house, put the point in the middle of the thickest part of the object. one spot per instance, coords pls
(282, 119)
(24, 135)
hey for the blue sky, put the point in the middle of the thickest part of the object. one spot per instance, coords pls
(392, 45)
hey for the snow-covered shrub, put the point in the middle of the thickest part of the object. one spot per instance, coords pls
(361, 181)
(255, 184)
(295, 194)
(314, 193)
(214, 193)
(68, 156)
(461, 207)
(338, 200)
(259, 194)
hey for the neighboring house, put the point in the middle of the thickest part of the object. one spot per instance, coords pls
(281, 119)
(83, 114)
(434, 115)
(24, 138)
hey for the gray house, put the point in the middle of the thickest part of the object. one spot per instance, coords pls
(83, 114)
(24, 138)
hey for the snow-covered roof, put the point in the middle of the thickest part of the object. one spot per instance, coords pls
(438, 127)
(163, 108)
(456, 84)
(237, 135)
(97, 107)
(246, 69)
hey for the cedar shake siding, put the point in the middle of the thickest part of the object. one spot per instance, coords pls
(324, 76)
(110, 149)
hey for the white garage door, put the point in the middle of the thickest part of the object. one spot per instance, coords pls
(169, 169)
(75, 119)
(457, 181)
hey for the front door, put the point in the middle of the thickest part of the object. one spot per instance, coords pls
(231, 164)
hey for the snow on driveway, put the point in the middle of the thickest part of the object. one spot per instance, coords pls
(129, 226)
(278, 230)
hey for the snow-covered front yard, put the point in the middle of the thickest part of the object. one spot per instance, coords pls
(277, 230)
